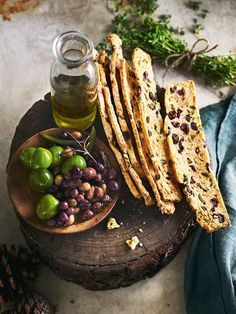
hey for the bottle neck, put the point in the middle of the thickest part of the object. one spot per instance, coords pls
(72, 48)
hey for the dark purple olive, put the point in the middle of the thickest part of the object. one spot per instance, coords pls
(89, 173)
(98, 177)
(63, 205)
(112, 174)
(99, 167)
(87, 215)
(51, 223)
(76, 173)
(85, 204)
(80, 198)
(56, 171)
(72, 211)
(106, 198)
(63, 217)
(74, 193)
(53, 189)
(96, 206)
(113, 186)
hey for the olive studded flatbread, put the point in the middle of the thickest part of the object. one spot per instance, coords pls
(146, 194)
(128, 90)
(116, 43)
(190, 157)
(113, 144)
(150, 124)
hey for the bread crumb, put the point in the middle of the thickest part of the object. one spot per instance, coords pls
(140, 230)
(133, 242)
(140, 244)
(112, 224)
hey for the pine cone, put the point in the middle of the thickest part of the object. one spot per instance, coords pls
(33, 303)
(17, 266)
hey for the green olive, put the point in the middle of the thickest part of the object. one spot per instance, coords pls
(47, 207)
(26, 156)
(73, 161)
(41, 158)
(56, 152)
(40, 180)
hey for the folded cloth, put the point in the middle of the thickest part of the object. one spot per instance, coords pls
(210, 273)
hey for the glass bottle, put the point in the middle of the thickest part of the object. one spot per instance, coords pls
(73, 79)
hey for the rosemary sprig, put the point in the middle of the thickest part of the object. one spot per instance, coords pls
(85, 146)
(156, 37)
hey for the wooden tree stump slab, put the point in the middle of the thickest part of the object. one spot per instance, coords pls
(99, 259)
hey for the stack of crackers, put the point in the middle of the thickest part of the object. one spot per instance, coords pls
(159, 156)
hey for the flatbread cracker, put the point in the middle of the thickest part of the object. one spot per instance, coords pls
(148, 198)
(118, 106)
(151, 125)
(128, 90)
(113, 144)
(190, 157)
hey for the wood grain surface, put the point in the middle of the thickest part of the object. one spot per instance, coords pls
(99, 259)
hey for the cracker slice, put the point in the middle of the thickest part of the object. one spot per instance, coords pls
(148, 198)
(118, 104)
(151, 125)
(112, 142)
(190, 157)
(128, 90)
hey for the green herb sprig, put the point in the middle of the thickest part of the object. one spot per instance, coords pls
(158, 38)
(193, 5)
(138, 7)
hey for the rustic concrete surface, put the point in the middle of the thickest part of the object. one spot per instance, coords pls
(25, 59)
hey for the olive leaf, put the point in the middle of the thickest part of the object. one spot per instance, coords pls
(92, 138)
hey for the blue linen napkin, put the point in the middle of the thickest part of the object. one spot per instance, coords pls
(210, 273)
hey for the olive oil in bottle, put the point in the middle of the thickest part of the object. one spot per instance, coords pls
(73, 81)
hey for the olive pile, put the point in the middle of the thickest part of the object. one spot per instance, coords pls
(75, 186)
(83, 192)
